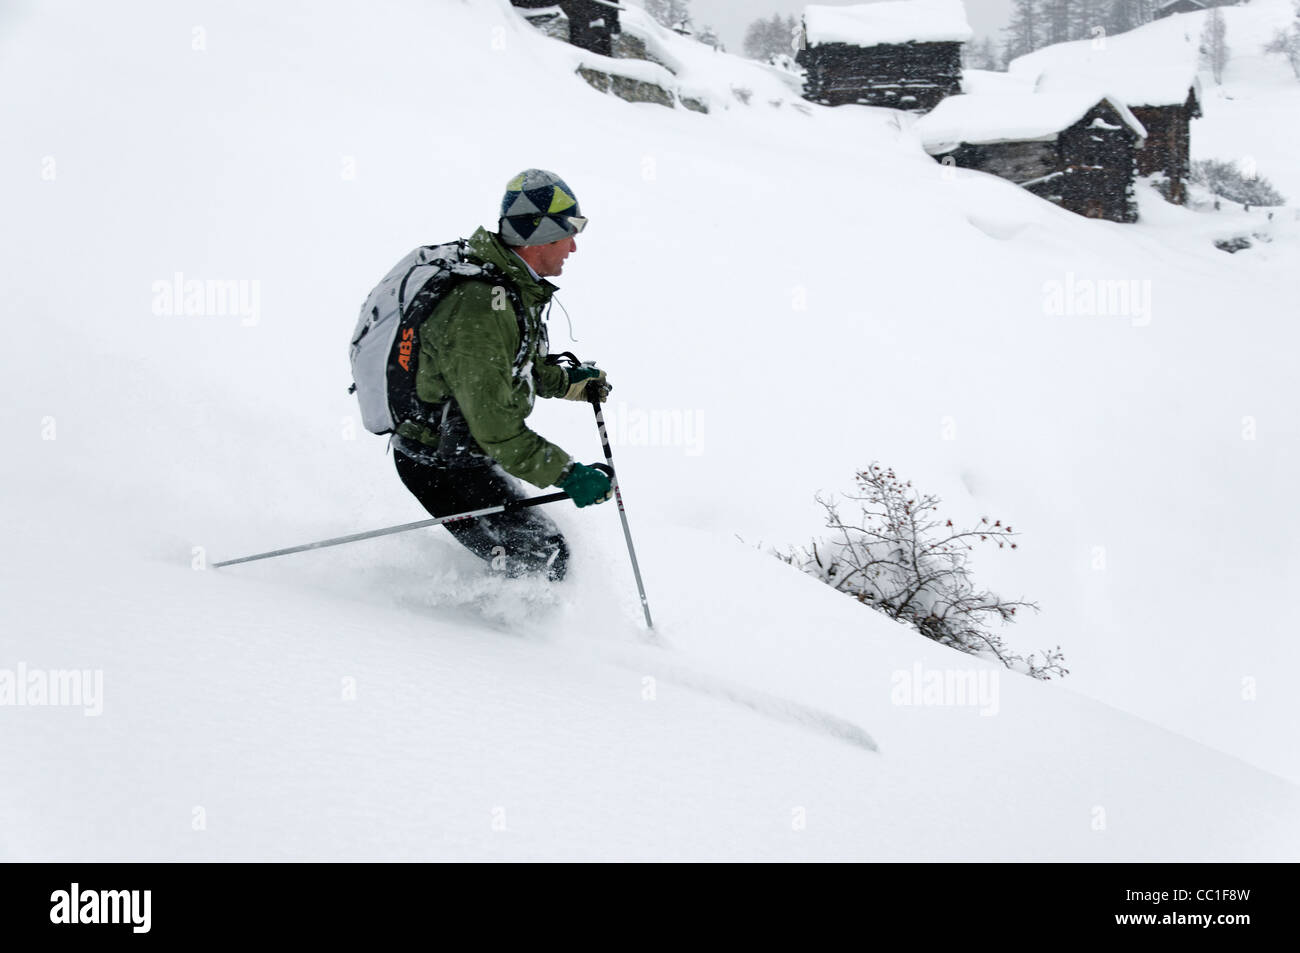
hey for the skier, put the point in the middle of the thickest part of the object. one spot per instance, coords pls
(482, 359)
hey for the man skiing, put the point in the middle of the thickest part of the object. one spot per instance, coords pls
(482, 359)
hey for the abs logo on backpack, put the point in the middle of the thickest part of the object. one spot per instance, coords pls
(404, 348)
(385, 345)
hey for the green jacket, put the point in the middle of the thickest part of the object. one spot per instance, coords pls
(470, 351)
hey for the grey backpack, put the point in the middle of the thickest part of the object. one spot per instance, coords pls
(385, 345)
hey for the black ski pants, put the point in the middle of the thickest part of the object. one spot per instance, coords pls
(514, 542)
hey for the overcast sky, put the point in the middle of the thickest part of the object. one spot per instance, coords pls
(730, 17)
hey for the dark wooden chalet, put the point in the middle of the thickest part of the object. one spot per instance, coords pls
(1165, 101)
(1181, 6)
(905, 54)
(592, 23)
(1152, 70)
(1168, 148)
(1076, 150)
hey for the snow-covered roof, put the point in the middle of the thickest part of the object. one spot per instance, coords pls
(1154, 65)
(895, 21)
(984, 82)
(1155, 88)
(981, 120)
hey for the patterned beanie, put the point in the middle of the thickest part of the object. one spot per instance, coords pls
(537, 209)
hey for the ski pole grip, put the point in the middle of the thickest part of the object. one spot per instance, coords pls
(604, 468)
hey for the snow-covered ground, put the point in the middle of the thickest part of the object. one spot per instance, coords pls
(797, 292)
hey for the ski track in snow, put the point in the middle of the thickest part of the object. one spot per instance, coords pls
(515, 607)
(763, 703)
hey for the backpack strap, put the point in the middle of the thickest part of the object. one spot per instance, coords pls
(465, 268)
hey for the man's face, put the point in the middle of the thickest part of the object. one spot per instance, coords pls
(548, 260)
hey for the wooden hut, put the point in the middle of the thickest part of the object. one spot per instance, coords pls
(1178, 6)
(1074, 149)
(591, 23)
(1152, 70)
(905, 54)
(1168, 148)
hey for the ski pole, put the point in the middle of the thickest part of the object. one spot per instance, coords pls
(404, 527)
(594, 397)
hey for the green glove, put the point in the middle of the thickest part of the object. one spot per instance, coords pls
(584, 379)
(585, 484)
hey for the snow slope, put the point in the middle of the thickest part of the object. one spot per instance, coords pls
(1240, 123)
(804, 290)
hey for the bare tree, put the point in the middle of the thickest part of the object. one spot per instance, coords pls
(765, 39)
(1124, 15)
(1214, 44)
(1038, 23)
(709, 37)
(1287, 42)
(674, 14)
(900, 558)
(981, 54)
(1087, 19)
(1024, 33)
(1057, 18)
